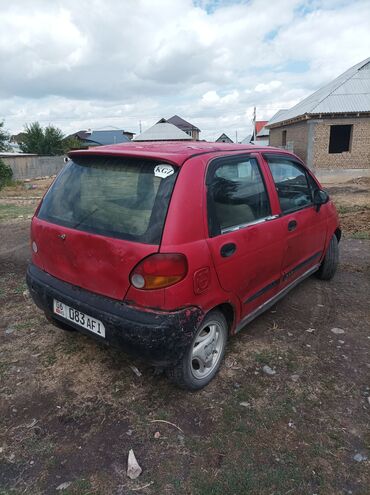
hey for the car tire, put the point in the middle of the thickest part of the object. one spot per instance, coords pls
(204, 356)
(59, 324)
(329, 264)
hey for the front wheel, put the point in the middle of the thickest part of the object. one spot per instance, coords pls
(204, 356)
(329, 264)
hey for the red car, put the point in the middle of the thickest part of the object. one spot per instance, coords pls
(166, 249)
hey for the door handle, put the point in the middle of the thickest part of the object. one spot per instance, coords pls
(228, 250)
(292, 225)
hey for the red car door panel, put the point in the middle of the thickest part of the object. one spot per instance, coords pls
(304, 226)
(246, 241)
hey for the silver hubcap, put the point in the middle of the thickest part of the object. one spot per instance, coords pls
(207, 350)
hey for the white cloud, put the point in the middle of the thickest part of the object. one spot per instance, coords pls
(267, 87)
(94, 63)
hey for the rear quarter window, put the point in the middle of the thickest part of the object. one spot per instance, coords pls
(116, 197)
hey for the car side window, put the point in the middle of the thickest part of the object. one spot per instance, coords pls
(291, 184)
(236, 194)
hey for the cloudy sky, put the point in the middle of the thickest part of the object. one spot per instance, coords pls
(82, 64)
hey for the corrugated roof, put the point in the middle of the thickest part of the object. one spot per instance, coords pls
(260, 124)
(107, 137)
(182, 123)
(350, 92)
(247, 139)
(263, 132)
(163, 131)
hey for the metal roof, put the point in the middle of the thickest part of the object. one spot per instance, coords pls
(107, 137)
(163, 131)
(182, 123)
(348, 93)
(263, 132)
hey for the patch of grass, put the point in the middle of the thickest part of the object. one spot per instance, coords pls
(37, 446)
(10, 212)
(26, 325)
(20, 288)
(50, 359)
(81, 487)
(244, 476)
(3, 371)
(265, 357)
(360, 235)
(343, 209)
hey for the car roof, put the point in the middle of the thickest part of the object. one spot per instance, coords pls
(169, 151)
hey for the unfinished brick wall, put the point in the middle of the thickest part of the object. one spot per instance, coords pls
(296, 138)
(359, 154)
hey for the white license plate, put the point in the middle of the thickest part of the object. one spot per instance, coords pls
(81, 319)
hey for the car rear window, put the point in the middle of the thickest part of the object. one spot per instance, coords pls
(126, 198)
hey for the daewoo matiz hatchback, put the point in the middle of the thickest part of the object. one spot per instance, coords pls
(167, 249)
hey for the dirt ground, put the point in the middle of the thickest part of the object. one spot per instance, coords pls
(71, 409)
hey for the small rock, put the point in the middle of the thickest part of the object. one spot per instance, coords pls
(290, 334)
(359, 458)
(341, 342)
(133, 468)
(236, 385)
(9, 330)
(291, 424)
(11, 457)
(245, 404)
(368, 400)
(157, 435)
(295, 378)
(320, 305)
(337, 331)
(64, 486)
(269, 371)
(129, 432)
(310, 330)
(308, 345)
(32, 463)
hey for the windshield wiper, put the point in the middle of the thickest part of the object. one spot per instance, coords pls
(85, 218)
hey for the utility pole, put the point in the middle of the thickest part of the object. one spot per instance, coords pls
(236, 137)
(254, 124)
(140, 126)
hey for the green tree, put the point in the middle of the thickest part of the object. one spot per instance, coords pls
(47, 141)
(4, 138)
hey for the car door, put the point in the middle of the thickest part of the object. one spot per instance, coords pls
(305, 226)
(246, 241)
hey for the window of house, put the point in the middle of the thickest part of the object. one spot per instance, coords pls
(283, 138)
(340, 138)
(236, 194)
(291, 184)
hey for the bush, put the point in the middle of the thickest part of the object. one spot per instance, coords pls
(6, 174)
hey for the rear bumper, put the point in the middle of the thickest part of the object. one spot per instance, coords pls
(160, 337)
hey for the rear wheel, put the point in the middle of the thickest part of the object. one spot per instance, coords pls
(329, 264)
(204, 356)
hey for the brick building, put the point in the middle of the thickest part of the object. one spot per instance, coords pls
(330, 129)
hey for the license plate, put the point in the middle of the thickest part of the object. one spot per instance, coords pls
(81, 319)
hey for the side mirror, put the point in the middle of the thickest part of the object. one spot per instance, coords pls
(320, 197)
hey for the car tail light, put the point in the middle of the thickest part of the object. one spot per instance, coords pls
(159, 270)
